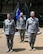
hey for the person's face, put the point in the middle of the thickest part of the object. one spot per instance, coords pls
(21, 14)
(8, 16)
(32, 14)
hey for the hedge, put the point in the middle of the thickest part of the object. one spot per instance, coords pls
(1, 24)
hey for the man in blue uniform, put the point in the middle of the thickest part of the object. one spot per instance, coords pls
(33, 27)
(9, 30)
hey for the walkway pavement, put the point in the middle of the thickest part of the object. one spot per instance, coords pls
(21, 48)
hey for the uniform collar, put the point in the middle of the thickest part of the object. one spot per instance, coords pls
(32, 18)
(9, 20)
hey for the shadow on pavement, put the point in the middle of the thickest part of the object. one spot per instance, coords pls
(39, 48)
(26, 41)
(19, 49)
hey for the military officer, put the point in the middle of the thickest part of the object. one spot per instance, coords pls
(33, 27)
(9, 30)
(21, 21)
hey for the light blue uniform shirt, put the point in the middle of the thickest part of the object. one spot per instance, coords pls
(9, 26)
(22, 23)
(33, 25)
